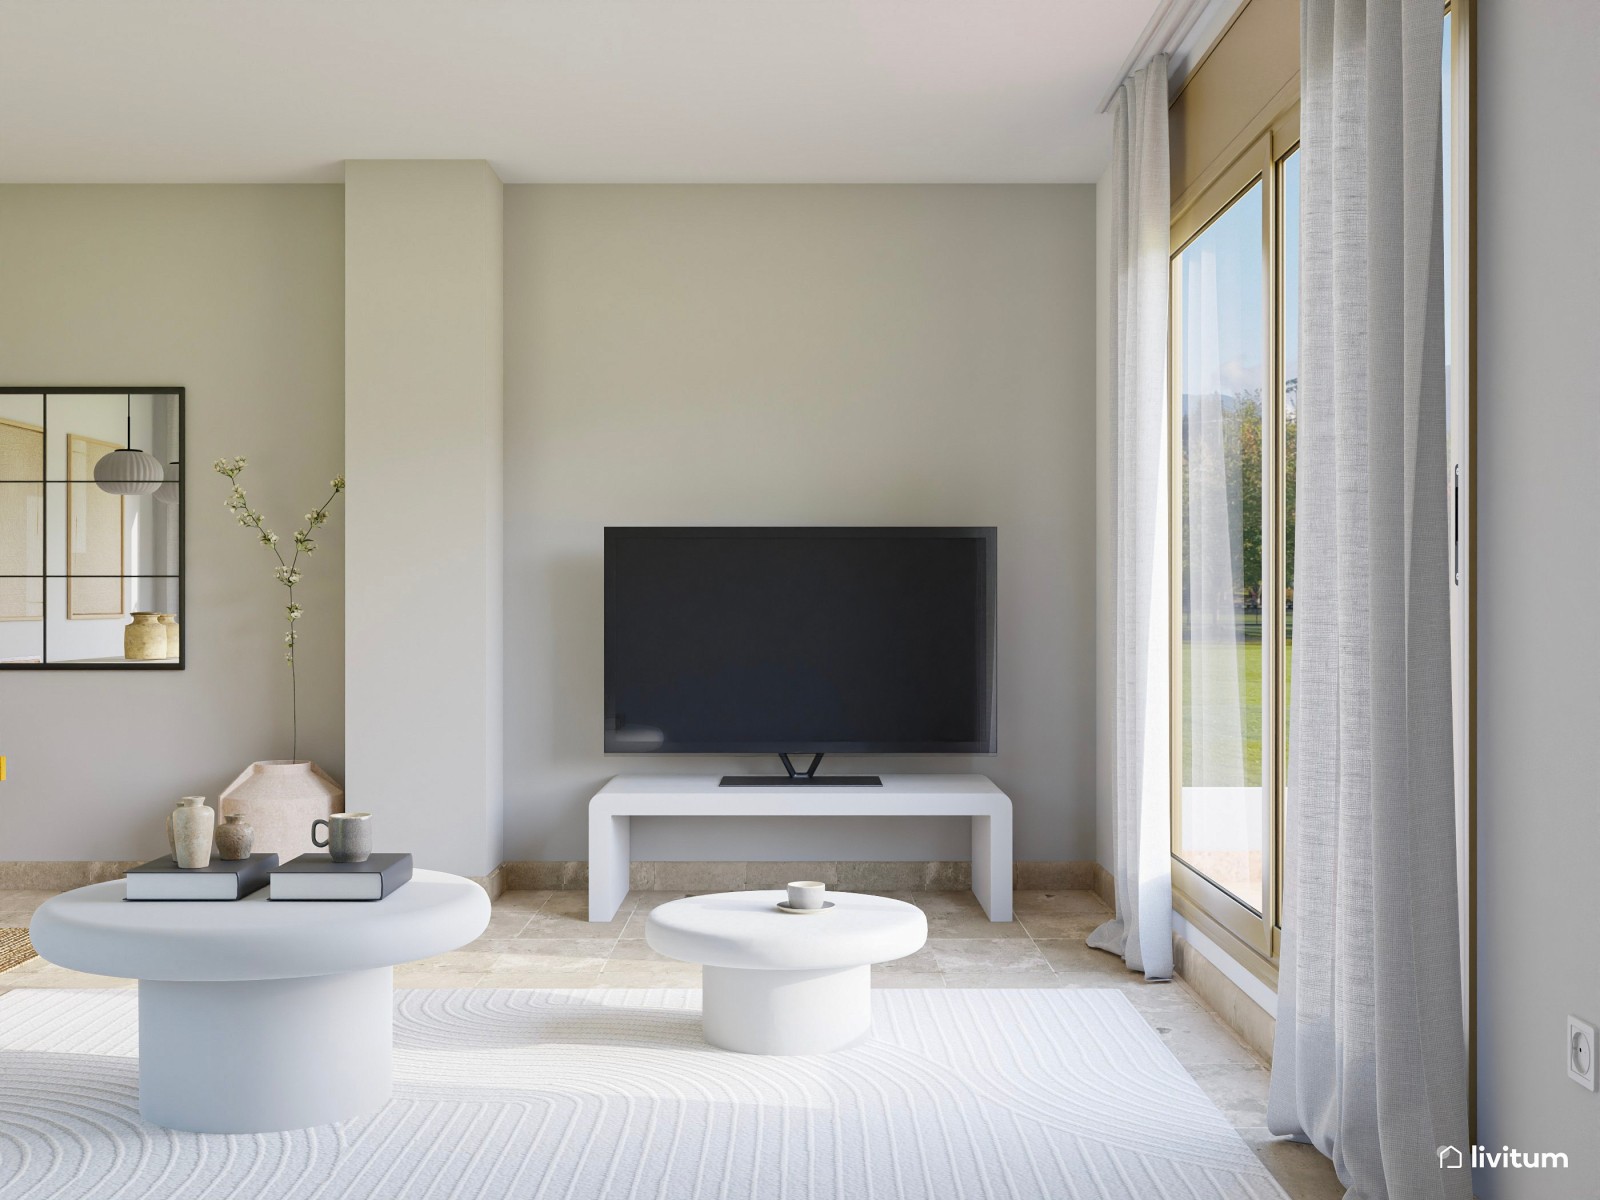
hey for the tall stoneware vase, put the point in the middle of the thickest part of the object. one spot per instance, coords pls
(280, 799)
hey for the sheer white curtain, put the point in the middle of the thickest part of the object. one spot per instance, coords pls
(1141, 205)
(1370, 1062)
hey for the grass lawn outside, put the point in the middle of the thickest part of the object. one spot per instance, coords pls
(1247, 649)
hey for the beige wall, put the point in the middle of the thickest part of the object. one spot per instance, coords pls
(236, 294)
(1538, 571)
(800, 355)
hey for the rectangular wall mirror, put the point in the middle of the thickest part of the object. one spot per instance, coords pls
(91, 528)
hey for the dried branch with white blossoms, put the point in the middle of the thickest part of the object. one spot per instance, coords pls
(287, 571)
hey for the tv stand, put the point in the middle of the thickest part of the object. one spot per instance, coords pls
(614, 806)
(793, 778)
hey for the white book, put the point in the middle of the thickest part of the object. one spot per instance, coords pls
(223, 879)
(317, 877)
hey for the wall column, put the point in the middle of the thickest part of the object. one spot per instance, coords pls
(424, 405)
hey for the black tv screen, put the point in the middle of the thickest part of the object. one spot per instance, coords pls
(770, 640)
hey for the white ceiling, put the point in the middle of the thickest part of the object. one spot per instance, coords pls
(568, 90)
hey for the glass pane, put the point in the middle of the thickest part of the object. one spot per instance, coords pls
(21, 436)
(1222, 375)
(21, 620)
(1289, 179)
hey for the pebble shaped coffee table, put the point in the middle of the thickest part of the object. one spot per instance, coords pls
(785, 983)
(258, 1016)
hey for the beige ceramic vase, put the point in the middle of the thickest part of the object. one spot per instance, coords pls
(169, 622)
(189, 832)
(144, 637)
(282, 799)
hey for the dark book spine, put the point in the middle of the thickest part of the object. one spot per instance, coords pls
(395, 875)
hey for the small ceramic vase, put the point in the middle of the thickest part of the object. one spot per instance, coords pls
(234, 838)
(169, 622)
(191, 824)
(144, 637)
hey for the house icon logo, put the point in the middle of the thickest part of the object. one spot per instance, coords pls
(1449, 1156)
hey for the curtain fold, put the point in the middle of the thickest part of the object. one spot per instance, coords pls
(1141, 205)
(1369, 1061)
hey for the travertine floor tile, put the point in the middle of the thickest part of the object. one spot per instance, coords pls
(1201, 1040)
(638, 973)
(637, 950)
(997, 955)
(1300, 1170)
(1058, 902)
(560, 959)
(505, 923)
(1060, 925)
(556, 925)
(1087, 966)
(972, 925)
(1239, 1091)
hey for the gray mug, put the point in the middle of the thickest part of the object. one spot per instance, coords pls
(349, 838)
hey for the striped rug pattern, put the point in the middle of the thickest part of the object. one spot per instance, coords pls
(589, 1094)
(15, 948)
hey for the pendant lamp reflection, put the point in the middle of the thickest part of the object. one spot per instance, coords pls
(128, 472)
(167, 493)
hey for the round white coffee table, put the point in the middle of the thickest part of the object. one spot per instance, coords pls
(783, 983)
(258, 1016)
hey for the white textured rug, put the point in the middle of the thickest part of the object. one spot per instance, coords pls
(505, 1094)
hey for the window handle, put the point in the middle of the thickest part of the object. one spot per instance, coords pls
(1456, 491)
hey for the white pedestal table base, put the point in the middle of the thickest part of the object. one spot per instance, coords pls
(262, 1056)
(786, 1012)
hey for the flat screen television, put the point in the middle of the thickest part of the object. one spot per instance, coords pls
(762, 640)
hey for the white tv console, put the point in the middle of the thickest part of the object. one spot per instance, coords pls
(627, 796)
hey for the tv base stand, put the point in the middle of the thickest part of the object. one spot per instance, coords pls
(800, 778)
(614, 806)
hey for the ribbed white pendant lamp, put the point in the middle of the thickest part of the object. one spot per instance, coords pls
(128, 472)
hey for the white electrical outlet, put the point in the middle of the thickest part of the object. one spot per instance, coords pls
(1580, 1052)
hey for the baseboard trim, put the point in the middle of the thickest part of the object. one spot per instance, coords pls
(1104, 884)
(662, 876)
(1233, 1006)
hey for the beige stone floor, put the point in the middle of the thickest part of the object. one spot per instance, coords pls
(543, 939)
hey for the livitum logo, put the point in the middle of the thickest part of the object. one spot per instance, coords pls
(1482, 1156)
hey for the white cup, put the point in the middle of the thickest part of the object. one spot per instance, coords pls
(807, 893)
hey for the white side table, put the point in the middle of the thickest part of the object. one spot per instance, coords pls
(255, 1016)
(784, 983)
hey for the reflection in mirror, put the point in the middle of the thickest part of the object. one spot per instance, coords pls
(91, 545)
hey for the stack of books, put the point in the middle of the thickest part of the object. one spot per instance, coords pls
(318, 877)
(224, 879)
